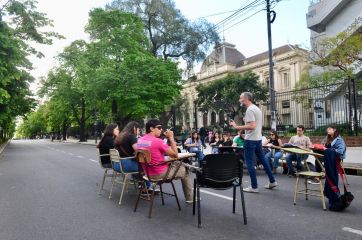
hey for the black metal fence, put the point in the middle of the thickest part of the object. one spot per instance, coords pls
(315, 108)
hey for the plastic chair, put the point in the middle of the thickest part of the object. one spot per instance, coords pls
(106, 166)
(144, 159)
(119, 173)
(219, 172)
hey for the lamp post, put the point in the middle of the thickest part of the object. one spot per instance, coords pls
(270, 19)
(195, 115)
(95, 119)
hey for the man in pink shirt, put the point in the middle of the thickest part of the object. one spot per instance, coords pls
(158, 149)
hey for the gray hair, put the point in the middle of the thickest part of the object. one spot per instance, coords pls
(248, 95)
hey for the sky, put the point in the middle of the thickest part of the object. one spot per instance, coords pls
(249, 35)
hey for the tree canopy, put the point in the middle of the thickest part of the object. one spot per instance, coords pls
(171, 35)
(223, 94)
(20, 26)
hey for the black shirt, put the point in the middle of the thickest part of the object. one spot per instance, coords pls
(105, 144)
(126, 149)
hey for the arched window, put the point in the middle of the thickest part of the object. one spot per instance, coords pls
(221, 118)
(213, 118)
(204, 119)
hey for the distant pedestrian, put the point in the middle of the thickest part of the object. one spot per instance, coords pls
(252, 145)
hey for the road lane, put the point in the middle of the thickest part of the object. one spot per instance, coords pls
(50, 194)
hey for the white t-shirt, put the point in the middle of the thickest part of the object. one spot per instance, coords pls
(253, 114)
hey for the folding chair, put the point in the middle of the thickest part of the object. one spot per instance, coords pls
(144, 159)
(118, 172)
(104, 162)
(219, 172)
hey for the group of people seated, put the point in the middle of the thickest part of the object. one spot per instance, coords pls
(129, 140)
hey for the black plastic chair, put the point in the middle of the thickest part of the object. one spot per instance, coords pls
(219, 172)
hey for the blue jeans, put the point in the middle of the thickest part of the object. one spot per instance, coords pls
(128, 165)
(251, 148)
(297, 157)
(199, 154)
(277, 156)
(214, 150)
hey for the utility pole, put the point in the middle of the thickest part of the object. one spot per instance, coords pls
(270, 19)
(95, 118)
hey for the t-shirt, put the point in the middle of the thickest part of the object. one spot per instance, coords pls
(105, 144)
(253, 114)
(127, 150)
(239, 141)
(157, 148)
(300, 141)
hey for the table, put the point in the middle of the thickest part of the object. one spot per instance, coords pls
(183, 156)
(223, 149)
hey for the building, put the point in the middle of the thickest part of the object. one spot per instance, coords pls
(327, 18)
(289, 62)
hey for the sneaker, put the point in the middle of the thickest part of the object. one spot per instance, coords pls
(251, 190)
(191, 201)
(313, 181)
(271, 185)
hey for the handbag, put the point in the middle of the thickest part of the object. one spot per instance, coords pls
(344, 200)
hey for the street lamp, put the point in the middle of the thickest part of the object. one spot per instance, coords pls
(195, 115)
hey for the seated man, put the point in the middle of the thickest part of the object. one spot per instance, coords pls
(158, 149)
(238, 141)
(301, 141)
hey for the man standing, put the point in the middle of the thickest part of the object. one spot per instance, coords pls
(301, 141)
(253, 126)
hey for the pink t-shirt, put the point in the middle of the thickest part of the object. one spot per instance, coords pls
(157, 148)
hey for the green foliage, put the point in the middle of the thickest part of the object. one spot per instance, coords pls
(170, 33)
(322, 79)
(223, 94)
(33, 125)
(20, 27)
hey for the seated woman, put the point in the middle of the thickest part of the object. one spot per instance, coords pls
(214, 142)
(274, 140)
(107, 142)
(226, 142)
(126, 144)
(193, 145)
(335, 153)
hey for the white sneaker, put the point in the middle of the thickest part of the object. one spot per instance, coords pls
(251, 190)
(191, 201)
(271, 185)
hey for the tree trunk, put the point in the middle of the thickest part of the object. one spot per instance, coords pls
(82, 137)
(165, 118)
(64, 130)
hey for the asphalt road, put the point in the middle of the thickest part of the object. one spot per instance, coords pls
(48, 190)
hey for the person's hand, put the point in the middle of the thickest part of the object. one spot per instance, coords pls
(169, 134)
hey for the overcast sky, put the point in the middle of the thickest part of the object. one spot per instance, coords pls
(249, 36)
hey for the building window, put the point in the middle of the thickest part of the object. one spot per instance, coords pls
(286, 104)
(286, 80)
(286, 119)
(266, 81)
(213, 118)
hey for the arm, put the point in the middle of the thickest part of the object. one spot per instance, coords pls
(340, 147)
(247, 126)
(172, 150)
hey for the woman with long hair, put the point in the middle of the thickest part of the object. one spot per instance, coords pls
(107, 142)
(193, 144)
(126, 144)
(334, 153)
(215, 142)
(274, 141)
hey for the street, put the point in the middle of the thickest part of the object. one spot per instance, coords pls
(49, 190)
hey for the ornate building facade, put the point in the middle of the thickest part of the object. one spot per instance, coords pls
(289, 62)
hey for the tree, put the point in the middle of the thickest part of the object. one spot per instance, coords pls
(223, 94)
(170, 33)
(18, 30)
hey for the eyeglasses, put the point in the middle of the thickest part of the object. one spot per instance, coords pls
(159, 127)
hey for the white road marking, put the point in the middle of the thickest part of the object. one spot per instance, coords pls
(216, 195)
(79, 156)
(62, 151)
(356, 231)
(92, 160)
(71, 154)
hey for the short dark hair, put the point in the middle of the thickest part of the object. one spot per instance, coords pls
(152, 123)
(301, 126)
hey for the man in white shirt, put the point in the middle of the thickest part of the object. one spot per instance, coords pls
(253, 137)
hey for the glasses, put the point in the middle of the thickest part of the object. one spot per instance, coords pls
(159, 127)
